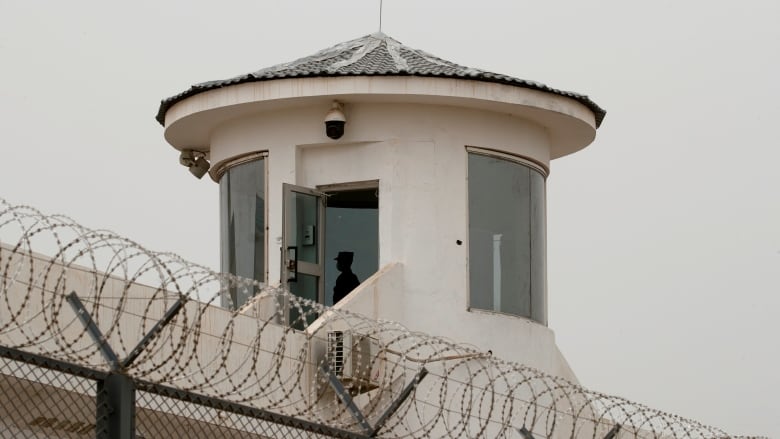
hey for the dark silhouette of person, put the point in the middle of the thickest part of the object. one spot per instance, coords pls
(347, 281)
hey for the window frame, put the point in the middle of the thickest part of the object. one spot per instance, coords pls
(534, 165)
(219, 172)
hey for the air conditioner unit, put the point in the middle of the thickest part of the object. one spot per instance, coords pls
(351, 357)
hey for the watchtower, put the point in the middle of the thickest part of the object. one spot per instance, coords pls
(430, 173)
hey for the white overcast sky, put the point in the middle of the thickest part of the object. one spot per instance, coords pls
(664, 234)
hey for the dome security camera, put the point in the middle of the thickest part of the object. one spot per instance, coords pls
(335, 121)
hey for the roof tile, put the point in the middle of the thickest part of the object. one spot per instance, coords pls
(373, 55)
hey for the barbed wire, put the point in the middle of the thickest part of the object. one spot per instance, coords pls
(277, 351)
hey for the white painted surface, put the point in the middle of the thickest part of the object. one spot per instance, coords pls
(190, 123)
(417, 151)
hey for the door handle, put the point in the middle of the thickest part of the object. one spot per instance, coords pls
(292, 263)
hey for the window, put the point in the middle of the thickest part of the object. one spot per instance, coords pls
(506, 236)
(242, 226)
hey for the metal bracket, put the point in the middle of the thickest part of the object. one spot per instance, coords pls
(357, 414)
(613, 432)
(346, 399)
(526, 434)
(93, 330)
(398, 401)
(102, 342)
(153, 333)
(292, 263)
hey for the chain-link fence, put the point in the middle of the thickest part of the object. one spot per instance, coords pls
(40, 399)
(105, 338)
(44, 398)
(172, 413)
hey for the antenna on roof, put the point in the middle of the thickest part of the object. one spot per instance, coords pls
(380, 15)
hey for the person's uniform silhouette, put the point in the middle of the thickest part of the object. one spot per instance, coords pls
(347, 281)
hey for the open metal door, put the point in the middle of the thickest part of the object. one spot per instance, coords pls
(303, 248)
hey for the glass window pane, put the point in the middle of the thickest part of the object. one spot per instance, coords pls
(506, 237)
(242, 225)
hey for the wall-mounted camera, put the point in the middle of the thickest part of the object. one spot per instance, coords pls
(335, 121)
(196, 161)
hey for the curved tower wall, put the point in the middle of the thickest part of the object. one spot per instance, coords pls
(416, 148)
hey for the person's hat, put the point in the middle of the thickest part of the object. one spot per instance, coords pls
(345, 257)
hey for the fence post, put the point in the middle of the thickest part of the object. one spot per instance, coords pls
(115, 412)
(115, 417)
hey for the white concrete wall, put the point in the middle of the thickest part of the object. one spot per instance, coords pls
(190, 122)
(418, 154)
(35, 317)
(237, 369)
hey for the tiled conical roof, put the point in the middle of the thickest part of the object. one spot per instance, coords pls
(373, 55)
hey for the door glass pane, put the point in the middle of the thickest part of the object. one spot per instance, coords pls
(303, 314)
(303, 226)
